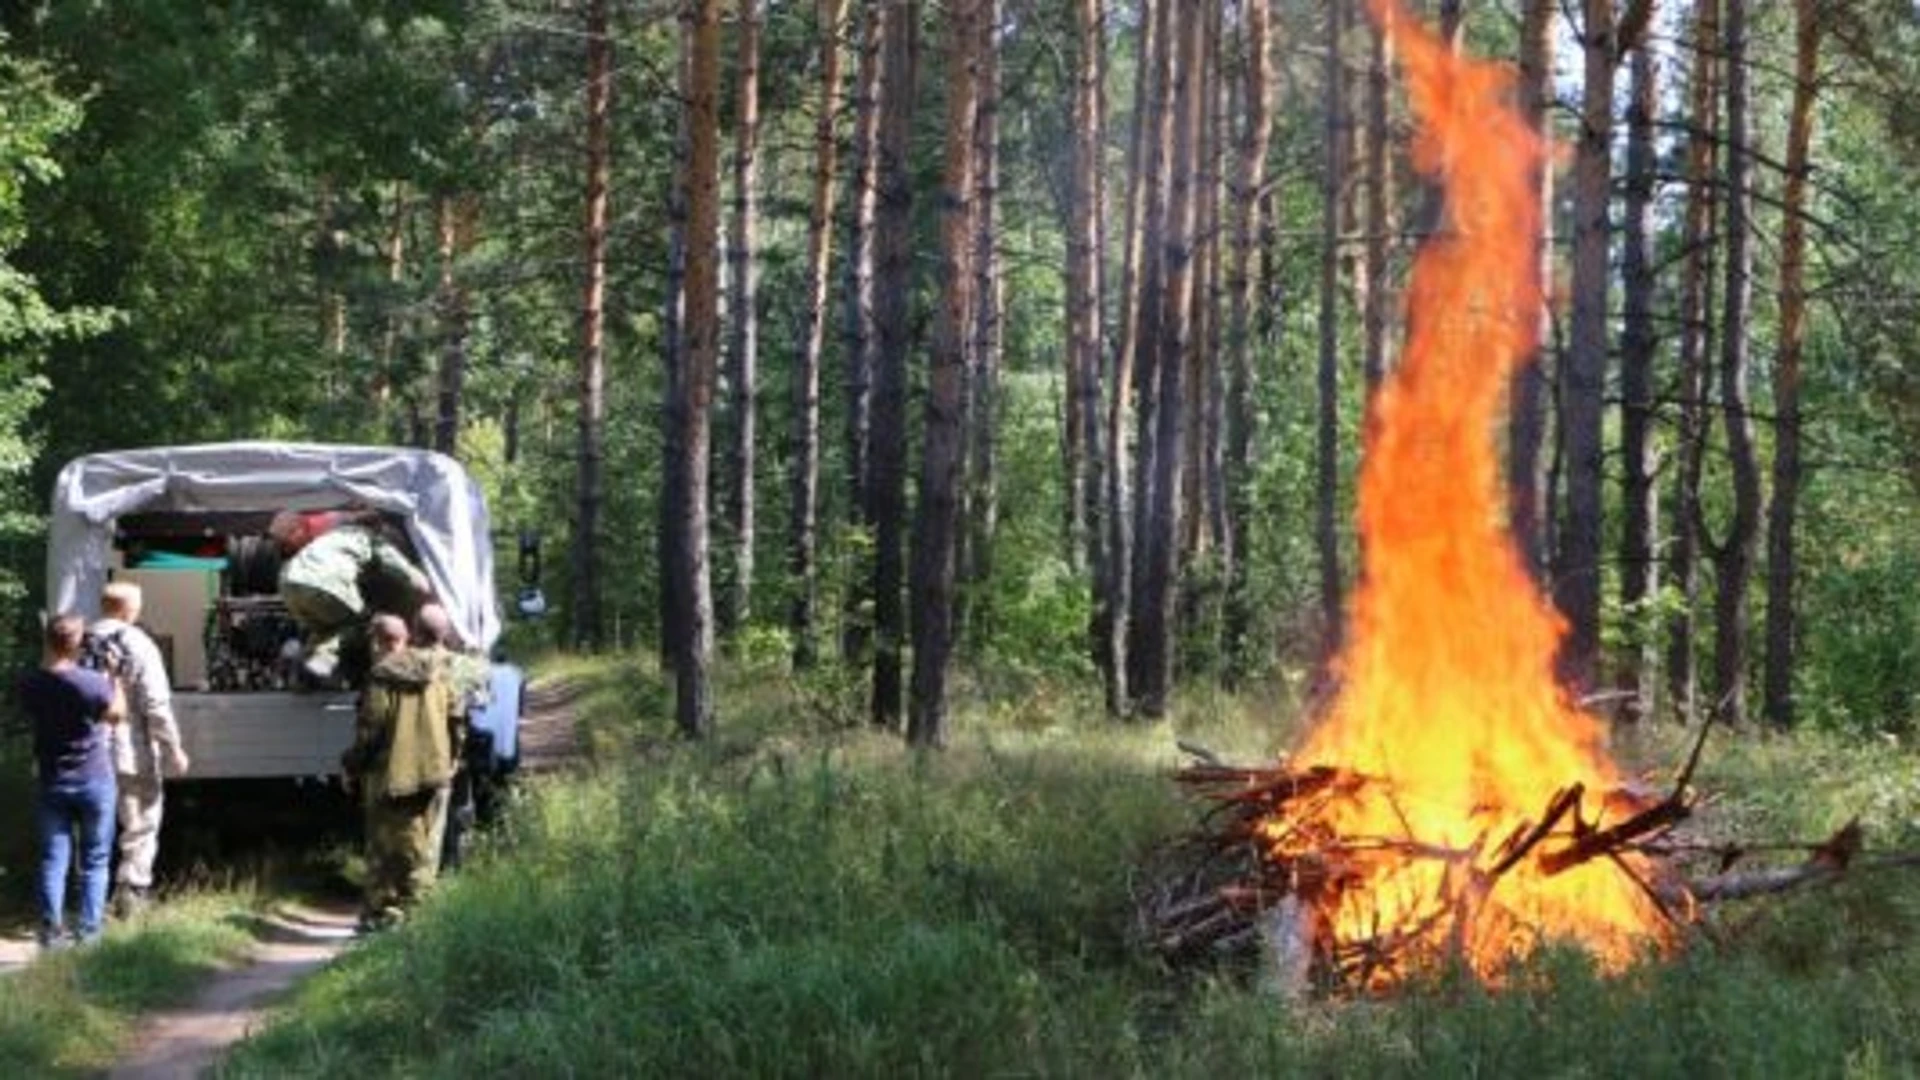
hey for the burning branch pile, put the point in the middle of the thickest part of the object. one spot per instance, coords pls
(1265, 872)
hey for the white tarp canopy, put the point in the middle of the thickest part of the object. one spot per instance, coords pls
(444, 512)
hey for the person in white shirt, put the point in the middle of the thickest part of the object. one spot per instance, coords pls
(145, 748)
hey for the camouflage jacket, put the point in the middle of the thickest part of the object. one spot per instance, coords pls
(403, 743)
(338, 562)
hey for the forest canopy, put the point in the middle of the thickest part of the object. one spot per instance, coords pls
(886, 337)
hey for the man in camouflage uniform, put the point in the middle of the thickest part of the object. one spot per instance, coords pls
(468, 683)
(402, 760)
(332, 578)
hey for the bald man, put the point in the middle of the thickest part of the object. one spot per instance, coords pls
(468, 684)
(146, 748)
(402, 762)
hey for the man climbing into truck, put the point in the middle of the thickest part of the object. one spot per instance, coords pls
(332, 562)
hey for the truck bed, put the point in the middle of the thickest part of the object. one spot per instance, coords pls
(267, 733)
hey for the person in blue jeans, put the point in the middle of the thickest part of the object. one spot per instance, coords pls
(69, 708)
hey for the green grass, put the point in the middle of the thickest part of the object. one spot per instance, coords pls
(68, 1013)
(805, 899)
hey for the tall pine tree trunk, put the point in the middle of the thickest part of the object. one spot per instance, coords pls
(1529, 509)
(804, 518)
(1733, 558)
(1247, 199)
(1201, 358)
(393, 251)
(693, 700)
(981, 470)
(743, 350)
(1777, 702)
(1114, 610)
(1327, 494)
(893, 276)
(859, 329)
(673, 351)
(1085, 289)
(587, 621)
(1639, 498)
(454, 226)
(1583, 372)
(1375, 317)
(936, 515)
(1696, 345)
(1150, 309)
(1162, 534)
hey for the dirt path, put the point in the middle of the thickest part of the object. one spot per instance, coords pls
(16, 953)
(549, 738)
(295, 943)
(185, 1042)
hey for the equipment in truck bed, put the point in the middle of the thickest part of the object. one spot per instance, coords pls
(189, 522)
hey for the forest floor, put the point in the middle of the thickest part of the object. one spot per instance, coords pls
(291, 941)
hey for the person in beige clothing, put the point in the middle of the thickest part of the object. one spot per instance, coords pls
(145, 749)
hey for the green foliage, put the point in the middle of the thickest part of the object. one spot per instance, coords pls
(34, 115)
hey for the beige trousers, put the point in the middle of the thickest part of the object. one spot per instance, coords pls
(140, 798)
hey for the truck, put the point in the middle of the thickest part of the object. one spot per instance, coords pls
(189, 525)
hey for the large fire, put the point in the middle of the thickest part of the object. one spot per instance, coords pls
(1451, 739)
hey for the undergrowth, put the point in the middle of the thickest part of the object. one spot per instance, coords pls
(802, 897)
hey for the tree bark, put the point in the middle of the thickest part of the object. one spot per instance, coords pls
(1114, 610)
(804, 518)
(893, 273)
(1583, 371)
(673, 336)
(859, 330)
(1777, 702)
(1177, 254)
(1199, 536)
(1639, 498)
(1327, 494)
(693, 704)
(394, 253)
(1248, 199)
(1375, 356)
(453, 224)
(980, 480)
(1203, 406)
(1733, 558)
(1149, 313)
(1696, 345)
(743, 349)
(936, 516)
(1529, 509)
(587, 621)
(1085, 288)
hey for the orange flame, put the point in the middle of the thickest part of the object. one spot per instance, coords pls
(1448, 703)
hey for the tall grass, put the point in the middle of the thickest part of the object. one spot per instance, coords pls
(800, 901)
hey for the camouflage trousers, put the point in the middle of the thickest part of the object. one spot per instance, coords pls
(403, 838)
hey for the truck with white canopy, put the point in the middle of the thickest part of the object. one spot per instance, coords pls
(189, 525)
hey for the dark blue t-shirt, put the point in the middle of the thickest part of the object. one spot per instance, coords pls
(69, 742)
